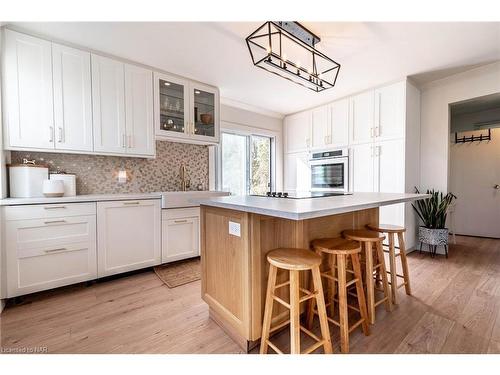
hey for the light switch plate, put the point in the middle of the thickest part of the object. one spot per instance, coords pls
(235, 229)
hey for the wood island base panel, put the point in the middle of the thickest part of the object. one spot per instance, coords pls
(234, 245)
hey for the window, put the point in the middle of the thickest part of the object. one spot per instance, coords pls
(246, 163)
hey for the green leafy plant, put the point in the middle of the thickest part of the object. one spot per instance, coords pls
(433, 211)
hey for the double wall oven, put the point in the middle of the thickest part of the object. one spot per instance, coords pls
(330, 170)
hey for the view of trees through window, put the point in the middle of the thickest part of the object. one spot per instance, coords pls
(260, 167)
(246, 163)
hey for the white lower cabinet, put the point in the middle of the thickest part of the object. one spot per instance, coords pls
(180, 234)
(128, 235)
(49, 247)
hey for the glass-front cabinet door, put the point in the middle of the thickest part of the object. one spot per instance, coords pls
(171, 106)
(205, 112)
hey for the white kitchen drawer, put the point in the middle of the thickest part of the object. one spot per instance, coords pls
(46, 211)
(179, 213)
(48, 233)
(50, 267)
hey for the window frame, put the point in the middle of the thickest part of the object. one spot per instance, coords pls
(248, 133)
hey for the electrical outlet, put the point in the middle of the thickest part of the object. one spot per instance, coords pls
(235, 229)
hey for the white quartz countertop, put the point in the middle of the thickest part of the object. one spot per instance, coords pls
(301, 209)
(79, 198)
(170, 199)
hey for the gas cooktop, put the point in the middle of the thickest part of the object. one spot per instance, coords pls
(302, 195)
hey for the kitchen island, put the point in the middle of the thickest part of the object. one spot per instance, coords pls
(238, 231)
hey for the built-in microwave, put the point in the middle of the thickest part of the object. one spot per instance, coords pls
(330, 170)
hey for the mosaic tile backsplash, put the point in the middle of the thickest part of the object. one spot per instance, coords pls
(97, 174)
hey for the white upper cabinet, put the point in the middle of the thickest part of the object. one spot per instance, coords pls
(72, 98)
(108, 102)
(28, 97)
(298, 132)
(185, 109)
(390, 111)
(339, 113)
(139, 110)
(320, 127)
(362, 117)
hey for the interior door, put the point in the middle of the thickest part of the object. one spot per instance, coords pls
(139, 110)
(28, 91)
(72, 98)
(474, 175)
(108, 104)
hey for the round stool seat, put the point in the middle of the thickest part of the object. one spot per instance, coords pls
(336, 245)
(363, 235)
(294, 259)
(386, 228)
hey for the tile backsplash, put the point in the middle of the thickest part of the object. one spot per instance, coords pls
(96, 174)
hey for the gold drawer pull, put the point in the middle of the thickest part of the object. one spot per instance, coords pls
(180, 221)
(55, 250)
(54, 221)
(53, 207)
(131, 203)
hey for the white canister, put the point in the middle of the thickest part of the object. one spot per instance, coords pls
(69, 183)
(26, 180)
(53, 188)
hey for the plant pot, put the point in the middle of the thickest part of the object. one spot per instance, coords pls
(434, 237)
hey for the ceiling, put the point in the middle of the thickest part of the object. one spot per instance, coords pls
(371, 54)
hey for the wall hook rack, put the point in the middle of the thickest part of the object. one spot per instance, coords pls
(473, 138)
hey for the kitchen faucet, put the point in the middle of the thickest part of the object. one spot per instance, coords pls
(185, 183)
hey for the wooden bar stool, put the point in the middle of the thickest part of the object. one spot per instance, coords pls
(391, 231)
(340, 250)
(369, 239)
(295, 260)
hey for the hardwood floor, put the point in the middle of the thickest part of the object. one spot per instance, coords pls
(455, 308)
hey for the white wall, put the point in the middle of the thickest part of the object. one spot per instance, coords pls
(245, 120)
(435, 134)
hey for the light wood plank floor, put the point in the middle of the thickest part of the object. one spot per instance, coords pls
(455, 308)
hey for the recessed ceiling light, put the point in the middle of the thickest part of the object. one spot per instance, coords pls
(166, 83)
(196, 92)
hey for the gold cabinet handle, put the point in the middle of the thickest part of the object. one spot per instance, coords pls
(180, 221)
(131, 203)
(53, 207)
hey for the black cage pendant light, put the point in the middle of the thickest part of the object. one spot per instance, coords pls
(287, 48)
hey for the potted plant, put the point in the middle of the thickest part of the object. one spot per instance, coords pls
(433, 211)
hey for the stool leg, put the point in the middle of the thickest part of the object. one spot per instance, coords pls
(333, 287)
(360, 293)
(268, 309)
(404, 263)
(370, 288)
(385, 283)
(312, 302)
(392, 268)
(343, 317)
(320, 300)
(294, 313)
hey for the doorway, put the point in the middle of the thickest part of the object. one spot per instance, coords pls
(475, 166)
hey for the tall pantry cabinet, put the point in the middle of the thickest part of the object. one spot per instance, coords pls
(381, 129)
